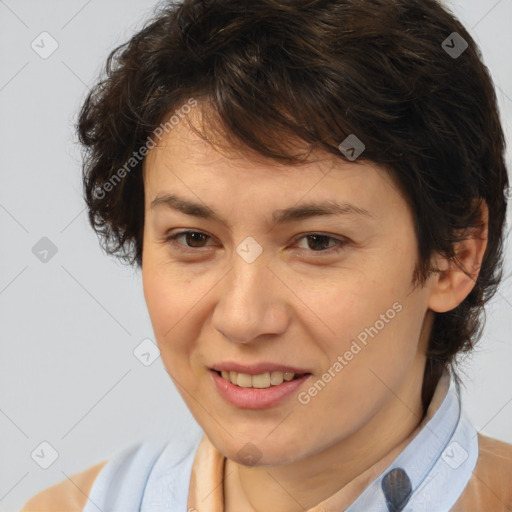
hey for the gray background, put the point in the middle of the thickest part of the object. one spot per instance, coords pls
(68, 375)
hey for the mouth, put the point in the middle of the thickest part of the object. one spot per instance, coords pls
(259, 391)
(260, 381)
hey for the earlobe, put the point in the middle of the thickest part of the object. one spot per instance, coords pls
(451, 285)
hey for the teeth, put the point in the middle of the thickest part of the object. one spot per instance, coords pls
(261, 381)
(276, 378)
(244, 380)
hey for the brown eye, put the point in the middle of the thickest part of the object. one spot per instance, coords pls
(320, 243)
(193, 239)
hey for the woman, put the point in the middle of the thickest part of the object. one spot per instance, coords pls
(315, 195)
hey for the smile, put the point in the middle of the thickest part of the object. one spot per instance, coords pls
(274, 387)
(260, 381)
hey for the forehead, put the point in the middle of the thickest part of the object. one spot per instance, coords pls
(183, 160)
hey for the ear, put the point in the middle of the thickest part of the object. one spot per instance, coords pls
(450, 286)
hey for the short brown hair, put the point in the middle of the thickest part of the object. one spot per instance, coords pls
(318, 71)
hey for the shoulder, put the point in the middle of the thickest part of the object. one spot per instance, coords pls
(73, 493)
(69, 495)
(151, 469)
(494, 466)
(495, 450)
(490, 486)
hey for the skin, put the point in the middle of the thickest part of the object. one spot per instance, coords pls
(292, 305)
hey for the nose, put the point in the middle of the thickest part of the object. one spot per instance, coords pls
(252, 302)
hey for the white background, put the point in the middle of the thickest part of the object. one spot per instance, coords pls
(69, 326)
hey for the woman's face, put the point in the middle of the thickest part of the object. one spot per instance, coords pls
(249, 287)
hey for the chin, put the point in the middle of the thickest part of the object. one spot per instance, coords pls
(252, 450)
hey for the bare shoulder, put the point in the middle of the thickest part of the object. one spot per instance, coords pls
(70, 495)
(495, 451)
(490, 486)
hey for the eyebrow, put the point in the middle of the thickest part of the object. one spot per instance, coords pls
(293, 213)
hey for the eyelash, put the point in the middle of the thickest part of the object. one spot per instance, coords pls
(172, 240)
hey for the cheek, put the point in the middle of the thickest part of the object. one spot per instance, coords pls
(162, 303)
(361, 377)
(339, 309)
(170, 293)
(373, 322)
(170, 301)
(377, 357)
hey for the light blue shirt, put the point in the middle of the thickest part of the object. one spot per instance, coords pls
(429, 475)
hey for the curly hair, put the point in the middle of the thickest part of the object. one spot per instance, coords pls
(317, 71)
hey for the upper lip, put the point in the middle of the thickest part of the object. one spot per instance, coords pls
(257, 368)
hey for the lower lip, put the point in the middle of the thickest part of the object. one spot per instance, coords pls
(253, 398)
